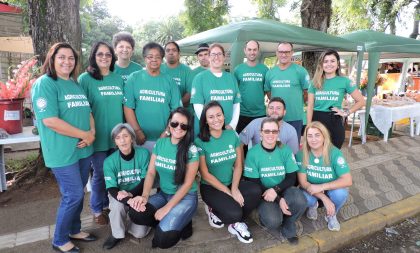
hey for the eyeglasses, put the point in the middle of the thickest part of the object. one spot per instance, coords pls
(216, 55)
(101, 55)
(175, 124)
(266, 131)
(63, 58)
(151, 58)
(284, 52)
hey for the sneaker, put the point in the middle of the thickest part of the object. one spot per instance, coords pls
(333, 224)
(312, 212)
(240, 229)
(214, 221)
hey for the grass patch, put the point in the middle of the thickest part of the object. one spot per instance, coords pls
(16, 165)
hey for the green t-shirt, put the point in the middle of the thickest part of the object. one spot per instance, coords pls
(220, 154)
(126, 175)
(125, 72)
(152, 98)
(182, 76)
(65, 100)
(251, 86)
(270, 167)
(105, 98)
(197, 70)
(332, 93)
(318, 173)
(207, 87)
(289, 85)
(165, 164)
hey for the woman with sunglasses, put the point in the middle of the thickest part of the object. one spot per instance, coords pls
(104, 90)
(175, 160)
(229, 200)
(323, 175)
(273, 166)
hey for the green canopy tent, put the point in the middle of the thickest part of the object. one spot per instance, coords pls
(268, 33)
(380, 45)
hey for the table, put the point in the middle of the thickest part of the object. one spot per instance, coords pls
(25, 136)
(384, 116)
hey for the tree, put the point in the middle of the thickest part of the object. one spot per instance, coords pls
(315, 14)
(202, 15)
(349, 15)
(269, 8)
(386, 12)
(416, 15)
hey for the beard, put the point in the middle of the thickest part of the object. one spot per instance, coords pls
(277, 117)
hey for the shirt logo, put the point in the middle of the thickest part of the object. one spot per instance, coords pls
(41, 103)
(341, 161)
(192, 91)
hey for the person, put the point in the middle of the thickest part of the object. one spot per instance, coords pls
(124, 43)
(67, 130)
(250, 76)
(273, 166)
(203, 58)
(323, 174)
(150, 96)
(218, 85)
(325, 96)
(276, 109)
(124, 172)
(228, 199)
(104, 91)
(289, 81)
(179, 72)
(391, 68)
(175, 159)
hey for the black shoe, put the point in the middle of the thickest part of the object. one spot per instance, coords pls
(293, 240)
(75, 249)
(89, 238)
(187, 231)
(111, 242)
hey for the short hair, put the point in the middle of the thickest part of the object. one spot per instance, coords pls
(123, 36)
(121, 126)
(173, 42)
(278, 99)
(48, 67)
(214, 45)
(258, 44)
(269, 120)
(285, 42)
(93, 68)
(153, 45)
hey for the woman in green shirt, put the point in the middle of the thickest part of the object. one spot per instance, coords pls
(323, 175)
(229, 200)
(175, 160)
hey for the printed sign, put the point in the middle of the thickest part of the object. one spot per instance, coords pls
(11, 115)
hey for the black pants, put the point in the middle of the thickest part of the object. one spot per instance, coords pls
(244, 121)
(334, 124)
(225, 207)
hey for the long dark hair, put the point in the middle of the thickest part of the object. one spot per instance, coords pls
(48, 67)
(183, 145)
(93, 68)
(204, 134)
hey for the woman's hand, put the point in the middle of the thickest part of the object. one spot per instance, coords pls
(284, 207)
(140, 137)
(162, 212)
(237, 196)
(269, 195)
(329, 206)
(123, 194)
(339, 112)
(138, 203)
(228, 127)
(315, 188)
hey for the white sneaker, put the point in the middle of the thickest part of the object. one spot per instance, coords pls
(333, 224)
(240, 229)
(312, 212)
(214, 221)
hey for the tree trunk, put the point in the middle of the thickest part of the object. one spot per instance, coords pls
(54, 21)
(392, 26)
(315, 14)
(415, 32)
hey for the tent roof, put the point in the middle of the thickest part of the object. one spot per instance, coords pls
(269, 33)
(381, 42)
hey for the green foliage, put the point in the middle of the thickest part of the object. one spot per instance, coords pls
(202, 15)
(385, 12)
(269, 8)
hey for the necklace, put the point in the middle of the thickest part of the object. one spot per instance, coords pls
(316, 160)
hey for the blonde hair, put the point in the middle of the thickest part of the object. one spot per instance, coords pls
(326, 146)
(319, 76)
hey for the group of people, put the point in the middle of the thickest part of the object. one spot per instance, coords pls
(170, 128)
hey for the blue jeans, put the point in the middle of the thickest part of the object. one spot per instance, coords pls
(98, 197)
(272, 217)
(180, 215)
(71, 181)
(337, 196)
(298, 125)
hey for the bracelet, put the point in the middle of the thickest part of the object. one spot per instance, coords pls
(346, 112)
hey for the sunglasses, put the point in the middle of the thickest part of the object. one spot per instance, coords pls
(175, 124)
(266, 131)
(101, 55)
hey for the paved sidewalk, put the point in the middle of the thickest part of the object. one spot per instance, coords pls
(386, 189)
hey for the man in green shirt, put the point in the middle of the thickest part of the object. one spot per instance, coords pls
(250, 76)
(289, 81)
(124, 44)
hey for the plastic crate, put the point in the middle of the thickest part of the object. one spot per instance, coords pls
(372, 130)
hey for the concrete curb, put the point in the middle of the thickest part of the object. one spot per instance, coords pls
(353, 229)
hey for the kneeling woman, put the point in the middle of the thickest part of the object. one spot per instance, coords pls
(274, 168)
(229, 200)
(124, 173)
(324, 174)
(175, 159)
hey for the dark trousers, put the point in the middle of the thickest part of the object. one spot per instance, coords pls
(298, 125)
(334, 124)
(225, 207)
(244, 121)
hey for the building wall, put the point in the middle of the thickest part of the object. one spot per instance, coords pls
(11, 25)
